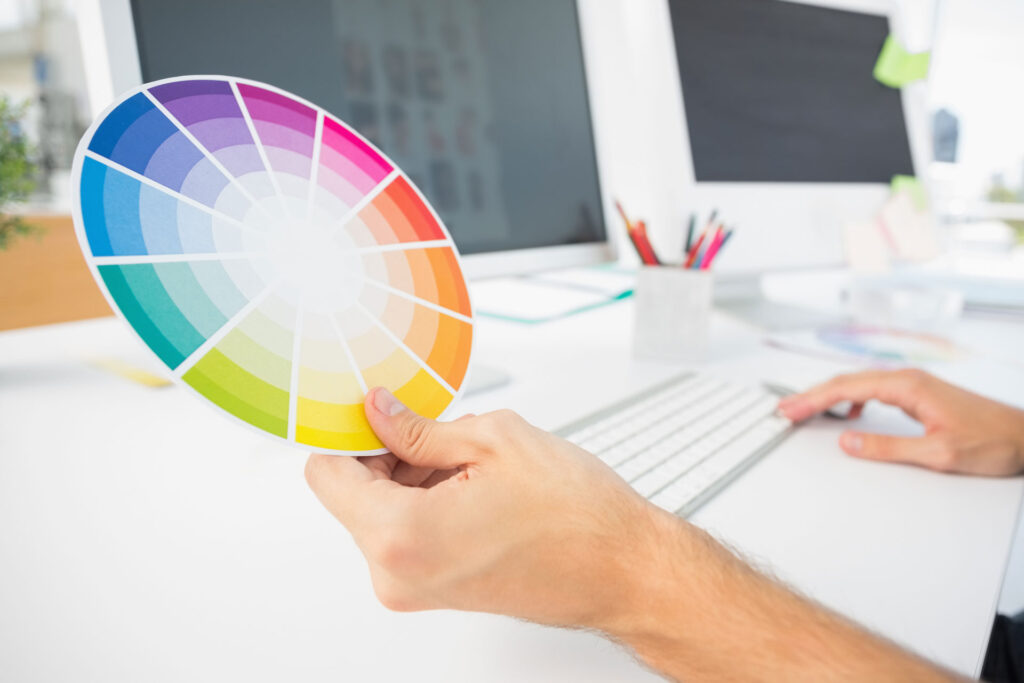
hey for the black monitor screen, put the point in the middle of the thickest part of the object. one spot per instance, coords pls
(483, 103)
(779, 91)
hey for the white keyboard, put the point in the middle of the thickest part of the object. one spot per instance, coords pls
(682, 442)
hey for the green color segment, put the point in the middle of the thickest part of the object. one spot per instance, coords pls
(243, 351)
(896, 67)
(913, 187)
(240, 393)
(146, 305)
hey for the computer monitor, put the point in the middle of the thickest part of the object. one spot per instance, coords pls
(484, 103)
(768, 111)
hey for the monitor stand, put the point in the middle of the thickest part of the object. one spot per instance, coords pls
(742, 297)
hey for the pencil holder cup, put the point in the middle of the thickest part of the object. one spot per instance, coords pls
(672, 313)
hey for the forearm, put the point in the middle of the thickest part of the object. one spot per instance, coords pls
(702, 614)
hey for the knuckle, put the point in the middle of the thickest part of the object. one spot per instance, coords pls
(496, 427)
(913, 378)
(946, 456)
(415, 435)
(506, 419)
(393, 551)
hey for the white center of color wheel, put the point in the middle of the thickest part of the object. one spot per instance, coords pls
(320, 264)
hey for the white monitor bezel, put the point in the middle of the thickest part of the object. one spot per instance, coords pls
(111, 61)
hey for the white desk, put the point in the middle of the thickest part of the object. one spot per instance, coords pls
(145, 537)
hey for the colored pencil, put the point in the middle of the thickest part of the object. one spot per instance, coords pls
(647, 253)
(689, 235)
(712, 249)
(696, 249)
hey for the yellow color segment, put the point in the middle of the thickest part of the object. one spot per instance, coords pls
(329, 387)
(424, 395)
(334, 426)
(396, 370)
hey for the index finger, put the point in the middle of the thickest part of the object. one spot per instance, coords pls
(352, 488)
(892, 387)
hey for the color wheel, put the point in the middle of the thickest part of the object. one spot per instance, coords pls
(272, 258)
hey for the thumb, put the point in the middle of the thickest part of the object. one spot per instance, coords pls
(417, 440)
(926, 451)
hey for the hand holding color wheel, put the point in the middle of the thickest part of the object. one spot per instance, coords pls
(272, 258)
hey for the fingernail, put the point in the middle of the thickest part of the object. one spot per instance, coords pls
(386, 403)
(852, 442)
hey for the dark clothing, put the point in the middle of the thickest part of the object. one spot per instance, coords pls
(1004, 660)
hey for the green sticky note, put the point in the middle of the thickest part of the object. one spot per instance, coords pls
(913, 187)
(896, 67)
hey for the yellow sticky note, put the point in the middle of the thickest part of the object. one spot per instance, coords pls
(896, 67)
(130, 372)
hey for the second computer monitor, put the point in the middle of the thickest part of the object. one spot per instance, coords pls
(776, 120)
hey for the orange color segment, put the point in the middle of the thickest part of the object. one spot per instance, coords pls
(450, 357)
(400, 208)
(451, 288)
(416, 212)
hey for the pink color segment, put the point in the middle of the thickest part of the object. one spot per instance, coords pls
(349, 146)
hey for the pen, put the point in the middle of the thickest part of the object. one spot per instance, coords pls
(622, 212)
(689, 235)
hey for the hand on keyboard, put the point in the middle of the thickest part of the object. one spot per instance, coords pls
(964, 432)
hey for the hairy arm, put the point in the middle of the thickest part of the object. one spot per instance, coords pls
(493, 515)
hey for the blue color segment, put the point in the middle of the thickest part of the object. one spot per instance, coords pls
(93, 215)
(132, 133)
(159, 216)
(110, 211)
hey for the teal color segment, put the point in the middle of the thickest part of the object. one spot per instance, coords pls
(191, 298)
(145, 303)
(219, 286)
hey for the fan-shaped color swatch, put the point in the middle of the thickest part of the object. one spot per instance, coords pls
(272, 258)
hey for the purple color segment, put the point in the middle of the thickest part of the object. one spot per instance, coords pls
(264, 105)
(198, 100)
(286, 161)
(216, 134)
(205, 184)
(275, 135)
(211, 113)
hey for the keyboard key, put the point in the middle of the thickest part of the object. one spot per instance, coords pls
(687, 439)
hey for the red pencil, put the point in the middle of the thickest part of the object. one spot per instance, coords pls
(647, 253)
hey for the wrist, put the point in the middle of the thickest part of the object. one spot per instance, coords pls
(656, 578)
